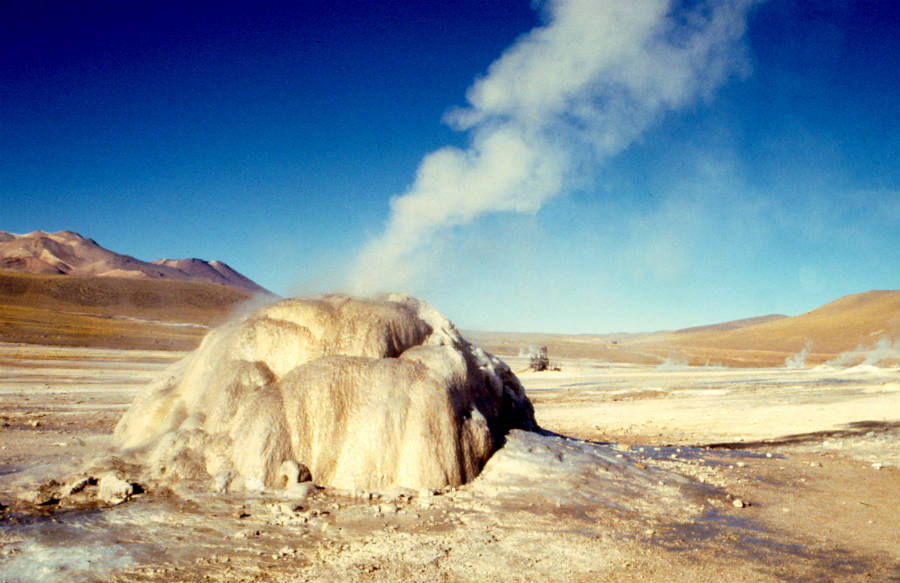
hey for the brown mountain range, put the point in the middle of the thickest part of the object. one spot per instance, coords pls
(68, 253)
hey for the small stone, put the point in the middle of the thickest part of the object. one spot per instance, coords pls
(649, 532)
(114, 490)
(78, 485)
(768, 455)
(289, 507)
(876, 466)
(738, 503)
(741, 464)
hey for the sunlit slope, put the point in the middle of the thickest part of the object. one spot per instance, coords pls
(111, 312)
(839, 326)
(830, 330)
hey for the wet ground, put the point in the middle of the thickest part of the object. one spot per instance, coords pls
(644, 474)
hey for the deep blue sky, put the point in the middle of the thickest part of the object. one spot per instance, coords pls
(272, 136)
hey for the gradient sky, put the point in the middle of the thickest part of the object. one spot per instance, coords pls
(272, 136)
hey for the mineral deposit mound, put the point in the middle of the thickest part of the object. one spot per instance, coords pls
(366, 394)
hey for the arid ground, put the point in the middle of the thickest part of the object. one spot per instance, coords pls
(673, 473)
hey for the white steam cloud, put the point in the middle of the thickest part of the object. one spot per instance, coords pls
(883, 351)
(799, 360)
(566, 96)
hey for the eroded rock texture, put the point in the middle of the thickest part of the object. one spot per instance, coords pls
(366, 394)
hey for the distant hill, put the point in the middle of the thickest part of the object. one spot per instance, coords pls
(112, 312)
(68, 253)
(825, 333)
(731, 324)
(834, 328)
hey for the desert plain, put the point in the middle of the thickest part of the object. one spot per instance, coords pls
(662, 458)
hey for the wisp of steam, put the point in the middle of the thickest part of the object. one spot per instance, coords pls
(566, 96)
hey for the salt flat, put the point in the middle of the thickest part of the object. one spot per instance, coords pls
(638, 478)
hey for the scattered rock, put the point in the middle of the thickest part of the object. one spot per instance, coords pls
(876, 466)
(114, 490)
(290, 507)
(78, 485)
(387, 508)
(738, 503)
(47, 494)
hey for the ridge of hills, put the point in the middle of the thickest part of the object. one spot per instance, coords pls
(731, 324)
(68, 253)
(839, 326)
(65, 289)
(850, 325)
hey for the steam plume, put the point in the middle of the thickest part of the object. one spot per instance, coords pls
(883, 351)
(569, 94)
(799, 360)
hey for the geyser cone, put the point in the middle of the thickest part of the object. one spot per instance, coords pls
(366, 394)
